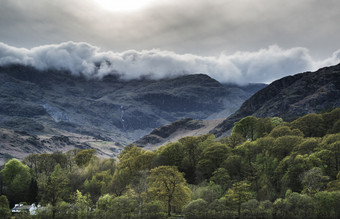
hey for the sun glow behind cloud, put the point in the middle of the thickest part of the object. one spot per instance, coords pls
(123, 5)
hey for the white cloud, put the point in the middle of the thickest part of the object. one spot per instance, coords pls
(264, 65)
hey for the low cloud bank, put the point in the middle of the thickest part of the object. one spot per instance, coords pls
(265, 65)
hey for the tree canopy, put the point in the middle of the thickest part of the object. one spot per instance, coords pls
(266, 168)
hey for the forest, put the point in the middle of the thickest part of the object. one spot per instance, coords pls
(266, 168)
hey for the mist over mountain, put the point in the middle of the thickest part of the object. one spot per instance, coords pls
(262, 66)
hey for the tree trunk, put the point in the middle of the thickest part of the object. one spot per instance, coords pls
(140, 208)
(53, 212)
(169, 207)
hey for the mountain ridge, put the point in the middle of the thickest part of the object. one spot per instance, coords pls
(291, 96)
(288, 97)
(55, 103)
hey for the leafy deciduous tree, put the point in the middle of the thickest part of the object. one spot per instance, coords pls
(313, 180)
(4, 208)
(312, 125)
(16, 178)
(167, 184)
(211, 158)
(246, 127)
(56, 188)
(196, 209)
(240, 192)
(83, 157)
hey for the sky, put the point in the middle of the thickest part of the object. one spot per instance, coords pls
(237, 41)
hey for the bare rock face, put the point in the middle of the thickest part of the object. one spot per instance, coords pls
(290, 97)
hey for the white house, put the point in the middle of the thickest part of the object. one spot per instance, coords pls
(31, 209)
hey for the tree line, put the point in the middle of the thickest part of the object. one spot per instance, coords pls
(266, 168)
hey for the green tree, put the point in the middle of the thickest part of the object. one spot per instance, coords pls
(70, 162)
(264, 183)
(167, 185)
(240, 192)
(279, 208)
(33, 191)
(211, 158)
(246, 127)
(103, 206)
(4, 208)
(171, 154)
(56, 188)
(46, 164)
(335, 148)
(307, 146)
(119, 182)
(193, 147)
(59, 158)
(82, 205)
(140, 188)
(334, 185)
(16, 178)
(295, 205)
(312, 125)
(153, 210)
(196, 209)
(76, 179)
(98, 174)
(132, 160)
(250, 209)
(219, 210)
(248, 150)
(63, 210)
(123, 207)
(336, 127)
(314, 180)
(327, 204)
(221, 177)
(208, 193)
(94, 188)
(332, 121)
(284, 130)
(284, 145)
(329, 153)
(32, 161)
(290, 170)
(256, 209)
(233, 140)
(233, 164)
(83, 157)
(265, 125)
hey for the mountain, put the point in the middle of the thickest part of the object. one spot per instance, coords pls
(106, 113)
(290, 97)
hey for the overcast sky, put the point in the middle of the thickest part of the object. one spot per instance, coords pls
(232, 40)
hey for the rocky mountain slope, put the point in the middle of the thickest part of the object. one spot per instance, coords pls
(290, 97)
(42, 104)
